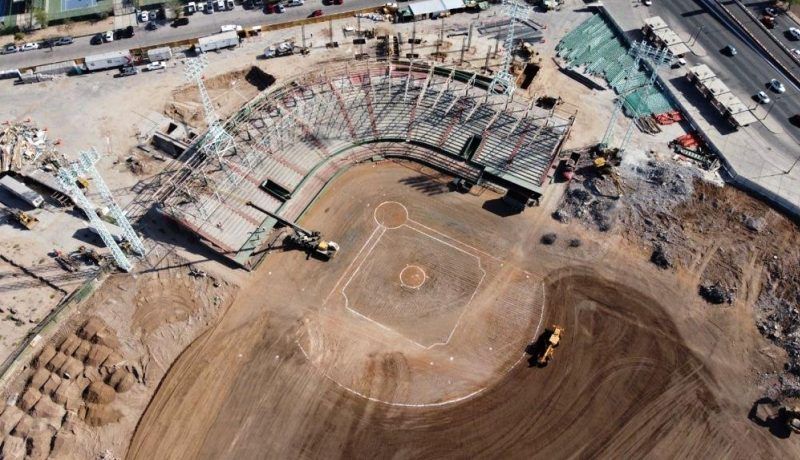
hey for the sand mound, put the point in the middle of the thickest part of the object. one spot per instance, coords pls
(13, 448)
(97, 415)
(9, 419)
(48, 351)
(100, 393)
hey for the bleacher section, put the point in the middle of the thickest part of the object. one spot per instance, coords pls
(305, 131)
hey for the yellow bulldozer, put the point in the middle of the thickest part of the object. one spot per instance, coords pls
(28, 221)
(549, 349)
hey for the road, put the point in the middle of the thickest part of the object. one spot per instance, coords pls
(745, 74)
(782, 24)
(200, 24)
(737, 9)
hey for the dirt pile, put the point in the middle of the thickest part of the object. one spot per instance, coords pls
(79, 378)
(227, 91)
(731, 242)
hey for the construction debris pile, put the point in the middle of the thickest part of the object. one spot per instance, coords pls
(22, 144)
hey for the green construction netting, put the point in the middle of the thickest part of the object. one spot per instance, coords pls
(595, 46)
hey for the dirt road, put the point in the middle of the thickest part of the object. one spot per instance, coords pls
(644, 366)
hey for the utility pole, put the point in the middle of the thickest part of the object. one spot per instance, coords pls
(330, 30)
(461, 59)
(469, 36)
(303, 33)
(413, 37)
(486, 64)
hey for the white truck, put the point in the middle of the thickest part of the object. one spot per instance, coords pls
(21, 191)
(218, 41)
(109, 60)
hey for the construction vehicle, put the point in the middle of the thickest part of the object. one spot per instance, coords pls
(768, 21)
(792, 417)
(90, 255)
(65, 261)
(309, 241)
(605, 163)
(552, 342)
(28, 221)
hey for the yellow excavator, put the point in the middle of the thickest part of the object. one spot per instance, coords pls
(605, 163)
(28, 221)
(309, 241)
(552, 342)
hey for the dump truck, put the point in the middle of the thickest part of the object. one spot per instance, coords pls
(21, 191)
(217, 41)
(553, 340)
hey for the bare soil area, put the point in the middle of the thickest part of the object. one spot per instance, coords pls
(644, 367)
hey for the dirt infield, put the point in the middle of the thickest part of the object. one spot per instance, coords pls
(411, 343)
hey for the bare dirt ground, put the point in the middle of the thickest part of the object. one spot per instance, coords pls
(645, 366)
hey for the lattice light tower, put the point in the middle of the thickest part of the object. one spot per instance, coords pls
(68, 177)
(503, 81)
(217, 144)
(656, 57)
(86, 162)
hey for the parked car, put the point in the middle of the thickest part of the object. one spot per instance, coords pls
(180, 22)
(126, 72)
(10, 48)
(295, 3)
(108, 36)
(191, 7)
(144, 16)
(29, 46)
(158, 65)
(771, 11)
(762, 97)
(63, 41)
(208, 8)
(97, 39)
(279, 8)
(794, 32)
(229, 5)
(776, 86)
(315, 13)
(338, 2)
(127, 32)
(796, 52)
(730, 50)
(220, 5)
(151, 26)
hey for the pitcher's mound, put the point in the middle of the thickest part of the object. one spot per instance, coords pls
(420, 318)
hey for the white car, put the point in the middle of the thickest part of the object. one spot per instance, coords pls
(776, 86)
(295, 3)
(762, 97)
(794, 32)
(108, 36)
(158, 65)
(144, 16)
(796, 52)
(29, 46)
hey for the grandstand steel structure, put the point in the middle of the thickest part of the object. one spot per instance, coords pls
(301, 133)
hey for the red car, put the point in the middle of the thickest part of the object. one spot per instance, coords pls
(338, 2)
(316, 13)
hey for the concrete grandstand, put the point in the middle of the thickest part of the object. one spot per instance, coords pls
(302, 133)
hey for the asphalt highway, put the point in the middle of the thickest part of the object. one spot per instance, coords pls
(200, 24)
(746, 73)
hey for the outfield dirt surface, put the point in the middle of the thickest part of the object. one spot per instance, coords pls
(411, 343)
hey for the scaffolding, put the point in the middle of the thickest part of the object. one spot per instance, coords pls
(503, 80)
(595, 46)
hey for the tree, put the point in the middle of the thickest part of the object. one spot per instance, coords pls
(177, 8)
(791, 3)
(41, 16)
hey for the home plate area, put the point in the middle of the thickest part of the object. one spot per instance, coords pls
(420, 318)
